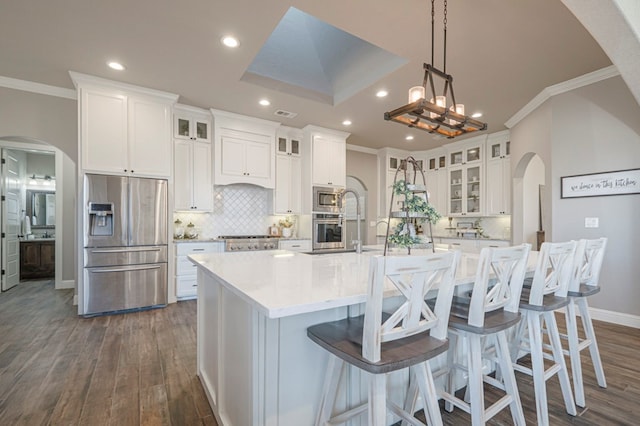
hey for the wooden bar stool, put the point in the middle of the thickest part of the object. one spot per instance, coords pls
(378, 343)
(589, 255)
(492, 310)
(547, 293)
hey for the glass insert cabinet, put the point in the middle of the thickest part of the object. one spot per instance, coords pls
(465, 195)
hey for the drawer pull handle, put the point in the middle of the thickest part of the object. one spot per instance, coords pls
(197, 249)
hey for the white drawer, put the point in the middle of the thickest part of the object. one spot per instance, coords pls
(295, 245)
(185, 249)
(186, 287)
(184, 267)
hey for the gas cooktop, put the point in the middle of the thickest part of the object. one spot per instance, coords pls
(249, 242)
(243, 237)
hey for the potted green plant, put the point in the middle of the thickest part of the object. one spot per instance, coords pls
(416, 208)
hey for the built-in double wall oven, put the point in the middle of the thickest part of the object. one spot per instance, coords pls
(328, 232)
(327, 219)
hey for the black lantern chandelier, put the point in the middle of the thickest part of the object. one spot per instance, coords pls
(434, 113)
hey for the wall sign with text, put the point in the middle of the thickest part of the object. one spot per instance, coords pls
(598, 184)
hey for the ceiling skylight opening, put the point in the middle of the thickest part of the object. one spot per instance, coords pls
(346, 123)
(230, 41)
(264, 102)
(115, 65)
(382, 93)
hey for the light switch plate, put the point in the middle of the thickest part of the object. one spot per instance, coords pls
(591, 222)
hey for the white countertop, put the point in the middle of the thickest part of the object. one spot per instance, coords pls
(281, 283)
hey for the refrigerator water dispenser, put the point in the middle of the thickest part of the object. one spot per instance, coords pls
(101, 219)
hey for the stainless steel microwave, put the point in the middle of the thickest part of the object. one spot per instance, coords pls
(327, 200)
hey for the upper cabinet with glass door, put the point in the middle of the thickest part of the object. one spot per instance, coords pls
(191, 123)
(469, 151)
(288, 142)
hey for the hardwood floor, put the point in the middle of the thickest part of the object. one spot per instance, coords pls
(139, 369)
(134, 369)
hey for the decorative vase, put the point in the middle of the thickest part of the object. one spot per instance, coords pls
(286, 232)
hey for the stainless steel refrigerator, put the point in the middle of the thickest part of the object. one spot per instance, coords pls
(125, 243)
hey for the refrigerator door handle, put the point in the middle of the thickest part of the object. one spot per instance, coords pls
(127, 269)
(125, 250)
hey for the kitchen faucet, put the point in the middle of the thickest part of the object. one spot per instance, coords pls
(357, 242)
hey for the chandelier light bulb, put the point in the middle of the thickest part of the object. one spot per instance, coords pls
(416, 93)
(440, 101)
(459, 109)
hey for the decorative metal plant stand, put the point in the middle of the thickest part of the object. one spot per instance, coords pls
(416, 190)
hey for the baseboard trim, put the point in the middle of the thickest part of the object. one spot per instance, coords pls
(65, 284)
(618, 318)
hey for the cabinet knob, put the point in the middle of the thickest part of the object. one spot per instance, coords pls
(125, 170)
(132, 171)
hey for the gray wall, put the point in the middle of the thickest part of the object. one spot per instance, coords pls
(364, 166)
(52, 120)
(48, 118)
(589, 130)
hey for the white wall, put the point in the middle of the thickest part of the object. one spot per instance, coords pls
(592, 129)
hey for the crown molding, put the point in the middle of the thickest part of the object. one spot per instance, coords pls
(39, 88)
(556, 89)
(364, 149)
(80, 79)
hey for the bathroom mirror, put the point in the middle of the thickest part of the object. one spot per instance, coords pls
(41, 208)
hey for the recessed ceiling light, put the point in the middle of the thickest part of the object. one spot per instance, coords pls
(230, 41)
(264, 102)
(476, 115)
(382, 93)
(346, 123)
(409, 138)
(115, 65)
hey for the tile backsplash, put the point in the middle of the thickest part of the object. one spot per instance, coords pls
(238, 209)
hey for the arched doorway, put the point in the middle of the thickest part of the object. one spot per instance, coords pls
(530, 209)
(64, 197)
(350, 212)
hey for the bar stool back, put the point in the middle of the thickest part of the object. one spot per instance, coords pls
(491, 311)
(586, 275)
(380, 343)
(548, 292)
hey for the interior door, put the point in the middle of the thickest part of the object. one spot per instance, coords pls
(10, 220)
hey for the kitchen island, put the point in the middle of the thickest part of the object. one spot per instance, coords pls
(255, 362)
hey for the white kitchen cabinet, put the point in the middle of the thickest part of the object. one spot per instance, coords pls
(466, 190)
(295, 245)
(124, 129)
(289, 141)
(244, 150)
(469, 151)
(389, 160)
(465, 170)
(191, 123)
(498, 174)
(193, 186)
(149, 138)
(288, 195)
(245, 160)
(329, 161)
(186, 272)
(437, 178)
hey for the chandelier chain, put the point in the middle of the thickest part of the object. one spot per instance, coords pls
(445, 38)
(433, 14)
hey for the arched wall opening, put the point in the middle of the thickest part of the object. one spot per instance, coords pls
(65, 205)
(529, 213)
